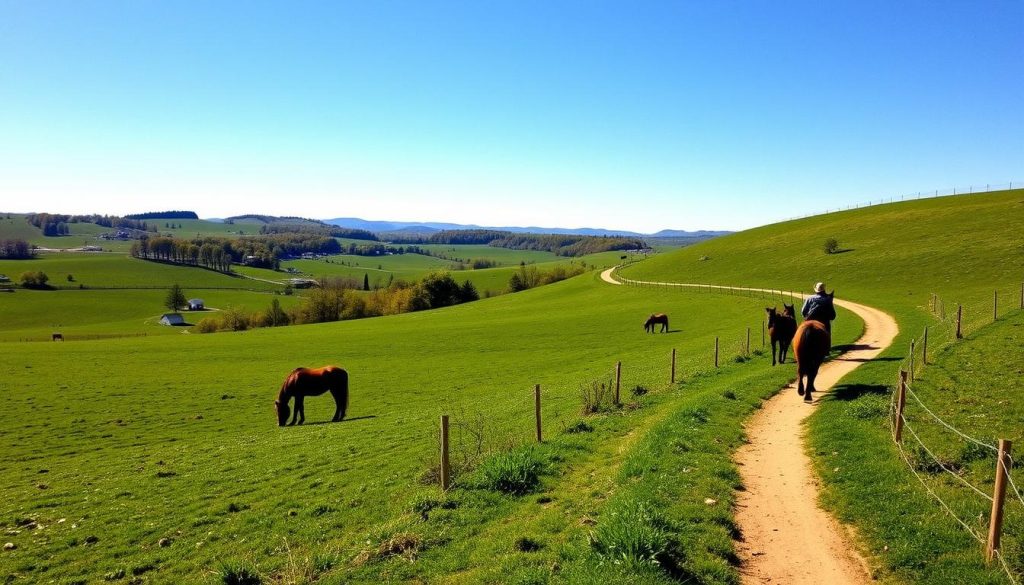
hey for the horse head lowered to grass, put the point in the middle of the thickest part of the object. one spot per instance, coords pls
(304, 382)
(656, 319)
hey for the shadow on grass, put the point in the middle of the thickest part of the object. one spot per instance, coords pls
(855, 391)
(328, 422)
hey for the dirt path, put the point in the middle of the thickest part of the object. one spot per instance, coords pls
(787, 538)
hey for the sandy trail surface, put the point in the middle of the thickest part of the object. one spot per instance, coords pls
(787, 538)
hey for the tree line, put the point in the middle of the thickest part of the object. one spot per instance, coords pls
(56, 224)
(562, 245)
(163, 215)
(217, 253)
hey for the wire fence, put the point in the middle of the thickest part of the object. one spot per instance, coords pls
(954, 466)
(482, 425)
(932, 194)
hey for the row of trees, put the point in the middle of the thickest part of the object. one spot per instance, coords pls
(220, 253)
(316, 228)
(16, 250)
(340, 299)
(56, 224)
(563, 245)
(163, 215)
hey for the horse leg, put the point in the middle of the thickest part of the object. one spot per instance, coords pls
(295, 413)
(810, 383)
(300, 408)
(783, 348)
(773, 352)
(799, 380)
(337, 406)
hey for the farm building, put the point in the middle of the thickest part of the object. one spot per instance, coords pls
(172, 319)
(302, 282)
(195, 305)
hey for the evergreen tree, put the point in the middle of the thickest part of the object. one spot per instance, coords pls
(175, 298)
(366, 281)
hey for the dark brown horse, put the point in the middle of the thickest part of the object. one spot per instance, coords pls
(781, 328)
(811, 345)
(655, 319)
(303, 382)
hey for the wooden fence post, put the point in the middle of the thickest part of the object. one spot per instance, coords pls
(913, 342)
(924, 348)
(716, 352)
(536, 410)
(995, 305)
(901, 402)
(673, 379)
(446, 470)
(995, 524)
(959, 316)
(618, 380)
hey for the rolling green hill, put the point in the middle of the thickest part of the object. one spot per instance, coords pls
(895, 257)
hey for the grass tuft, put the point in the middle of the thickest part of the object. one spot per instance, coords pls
(514, 472)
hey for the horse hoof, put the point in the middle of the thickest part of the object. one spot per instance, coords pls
(799, 391)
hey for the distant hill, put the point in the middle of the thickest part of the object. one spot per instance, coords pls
(426, 228)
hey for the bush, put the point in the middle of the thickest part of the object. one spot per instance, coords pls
(597, 396)
(207, 325)
(831, 246)
(514, 472)
(34, 279)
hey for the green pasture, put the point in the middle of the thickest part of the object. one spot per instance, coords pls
(87, 314)
(894, 257)
(174, 437)
(102, 270)
(82, 234)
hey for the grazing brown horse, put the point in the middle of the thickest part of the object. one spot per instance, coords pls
(655, 319)
(304, 382)
(810, 346)
(781, 328)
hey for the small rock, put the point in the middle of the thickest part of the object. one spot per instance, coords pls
(710, 501)
(10, 546)
(836, 470)
(42, 486)
(164, 542)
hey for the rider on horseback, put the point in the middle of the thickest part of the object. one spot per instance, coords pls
(819, 307)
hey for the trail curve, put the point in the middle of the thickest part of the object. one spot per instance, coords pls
(786, 536)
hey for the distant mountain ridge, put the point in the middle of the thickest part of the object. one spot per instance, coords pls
(432, 227)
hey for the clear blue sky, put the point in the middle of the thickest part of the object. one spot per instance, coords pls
(625, 115)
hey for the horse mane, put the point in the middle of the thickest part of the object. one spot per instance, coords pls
(282, 394)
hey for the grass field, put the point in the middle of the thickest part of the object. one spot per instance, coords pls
(894, 257)
(119, 445)
(178, 441)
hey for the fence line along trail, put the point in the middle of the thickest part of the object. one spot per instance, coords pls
(786, 537)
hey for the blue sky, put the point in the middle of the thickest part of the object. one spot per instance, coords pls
(626, 115)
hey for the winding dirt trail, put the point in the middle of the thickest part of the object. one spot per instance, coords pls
(787, 538)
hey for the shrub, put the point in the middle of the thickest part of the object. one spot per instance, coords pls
(639, 390)
(579, 427)
(207, 325)
(34, 279)
(235, 320)
(514, 472)
(597, 396)
(831, 246)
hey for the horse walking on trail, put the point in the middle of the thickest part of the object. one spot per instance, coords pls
(655, 319)
(303, 382)
(781, 328)
(811, 345)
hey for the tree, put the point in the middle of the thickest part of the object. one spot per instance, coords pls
(366, 281)
(831, 246)
(175, 298)
(275, 316)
